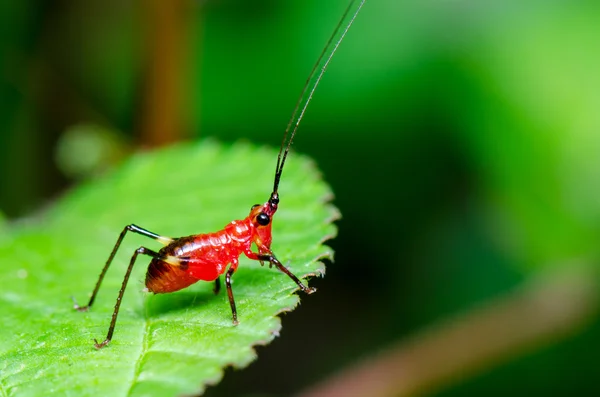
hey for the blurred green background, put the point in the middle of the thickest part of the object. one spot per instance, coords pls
(461, 138)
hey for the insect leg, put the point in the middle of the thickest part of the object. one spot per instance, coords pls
(217, 285)
(230, 293)
(113, 321)
(128, 228)
(274, 261)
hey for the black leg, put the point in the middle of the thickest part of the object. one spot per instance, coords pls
(230, 294)
(128, 228)
(217, 285)
(274, 261)
(113, 321)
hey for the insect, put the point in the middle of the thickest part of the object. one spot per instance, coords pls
(185, 260)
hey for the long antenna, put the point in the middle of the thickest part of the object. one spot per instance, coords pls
(312, 82)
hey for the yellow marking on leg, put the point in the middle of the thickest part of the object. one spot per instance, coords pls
(164, 240)
(172, 260)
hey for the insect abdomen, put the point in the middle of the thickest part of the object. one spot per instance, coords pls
(163, 277)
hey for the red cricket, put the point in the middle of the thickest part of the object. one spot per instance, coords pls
(185, 260)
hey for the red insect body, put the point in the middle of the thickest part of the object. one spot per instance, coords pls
(209, 254)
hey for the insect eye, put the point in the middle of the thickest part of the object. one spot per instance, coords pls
(263, 219)
(254, 206)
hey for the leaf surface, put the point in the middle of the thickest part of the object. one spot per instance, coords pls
(164, 345)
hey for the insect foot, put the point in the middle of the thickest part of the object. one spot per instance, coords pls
(99, 346)
(310, 290)
(79, 308)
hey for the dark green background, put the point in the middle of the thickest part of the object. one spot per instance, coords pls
(461, 138)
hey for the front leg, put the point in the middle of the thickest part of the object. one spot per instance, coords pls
(217, 287)
(274, 261)
(228, 275)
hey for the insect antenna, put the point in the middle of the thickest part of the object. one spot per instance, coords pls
(310, 86)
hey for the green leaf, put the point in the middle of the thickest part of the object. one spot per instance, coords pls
(169, 344)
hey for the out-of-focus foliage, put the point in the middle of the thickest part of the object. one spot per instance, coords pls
(103, 148)
(460, 139)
